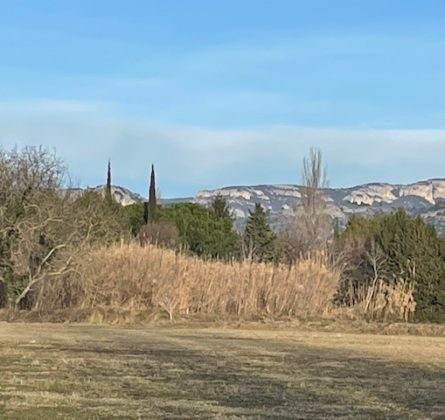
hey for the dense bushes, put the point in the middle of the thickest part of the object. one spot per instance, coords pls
(135, 215)
(201, 231)
(395, 248)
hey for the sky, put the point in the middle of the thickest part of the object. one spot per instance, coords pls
(227, 92)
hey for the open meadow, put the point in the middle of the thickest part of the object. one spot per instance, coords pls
(83, 371)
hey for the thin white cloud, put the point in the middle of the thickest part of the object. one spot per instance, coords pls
(190, 158)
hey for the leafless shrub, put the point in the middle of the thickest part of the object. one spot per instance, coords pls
(162, 233)
(383, 302)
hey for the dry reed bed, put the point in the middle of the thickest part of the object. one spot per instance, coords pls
(117, 282)
(132, 277)
(382, 302)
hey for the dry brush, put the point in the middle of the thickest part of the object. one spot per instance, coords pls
(145, 278)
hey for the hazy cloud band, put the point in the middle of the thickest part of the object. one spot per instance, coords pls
(190, 158)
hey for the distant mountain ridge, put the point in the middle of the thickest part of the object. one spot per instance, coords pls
(424, 198)
(122, 195)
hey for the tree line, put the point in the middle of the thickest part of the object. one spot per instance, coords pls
(389, 249)
(43, 225)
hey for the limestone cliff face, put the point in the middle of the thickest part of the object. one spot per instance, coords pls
(424, 198)
(122, 195)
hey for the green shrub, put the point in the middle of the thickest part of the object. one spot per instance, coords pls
(393, 248)
(202, 231)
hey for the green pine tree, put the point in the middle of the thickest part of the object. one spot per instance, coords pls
(409, 250)
(260, 242)
(220, 207)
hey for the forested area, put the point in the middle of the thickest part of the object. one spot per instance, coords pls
(59, 250)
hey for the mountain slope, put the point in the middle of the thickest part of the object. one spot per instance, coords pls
(424, 198)
(122, 195)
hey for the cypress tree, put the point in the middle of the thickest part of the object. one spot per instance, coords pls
(151, 209)
(260, 241)
(108, 193)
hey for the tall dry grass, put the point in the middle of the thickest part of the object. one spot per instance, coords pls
(134, 277)
(129, 278)
(383, 302)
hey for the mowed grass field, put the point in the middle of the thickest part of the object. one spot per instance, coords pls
(86, 372)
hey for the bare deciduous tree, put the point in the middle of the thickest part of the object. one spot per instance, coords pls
(41, 228)
(314, 181)
(311, 228)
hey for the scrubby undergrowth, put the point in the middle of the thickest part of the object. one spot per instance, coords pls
(149, 278)
(129, 283)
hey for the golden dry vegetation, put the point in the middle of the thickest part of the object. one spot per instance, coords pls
(131, 279)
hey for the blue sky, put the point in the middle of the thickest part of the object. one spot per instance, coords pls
(227, 92)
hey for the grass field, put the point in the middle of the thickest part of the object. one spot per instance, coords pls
(79, 371)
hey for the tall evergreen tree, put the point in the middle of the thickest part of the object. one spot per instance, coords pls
(151, 209)
(108, 192)
(220, 207)
(408, 249)
(260, 242)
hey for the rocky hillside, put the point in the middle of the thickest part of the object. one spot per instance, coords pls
(425, 199)
(122, 195)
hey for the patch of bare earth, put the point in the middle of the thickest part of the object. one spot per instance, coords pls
(78, 371)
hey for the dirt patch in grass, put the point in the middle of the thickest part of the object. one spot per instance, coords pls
(76, 371)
